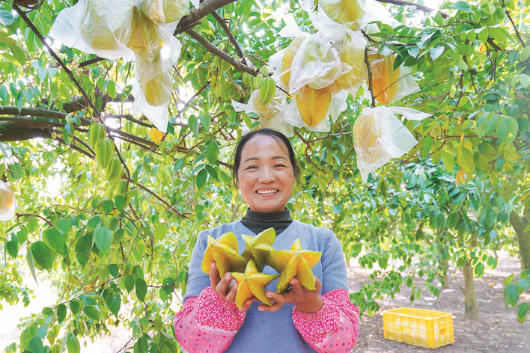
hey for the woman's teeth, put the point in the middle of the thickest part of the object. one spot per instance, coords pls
(266, 191)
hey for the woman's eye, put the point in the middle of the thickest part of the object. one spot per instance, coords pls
(280, 166)
(251, 167)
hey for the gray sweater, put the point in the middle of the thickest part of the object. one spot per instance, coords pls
(264, 332)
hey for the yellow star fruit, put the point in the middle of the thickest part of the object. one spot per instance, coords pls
(351, 52)
(252, 283)
(292, 263)
(385, 80)
(313, 104)
(287, 60)
(224, 251)
(165, 11)
(345, 12)
(258, 247)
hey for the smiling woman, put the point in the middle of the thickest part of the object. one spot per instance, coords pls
(300, 319)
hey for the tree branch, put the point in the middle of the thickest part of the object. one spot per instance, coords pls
(34, 215)
(218, 52)
(418, 6)
(206, 8)
(237, 47)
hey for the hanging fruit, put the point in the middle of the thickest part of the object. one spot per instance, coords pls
(346, 12)
(351, 52)
(104, 151)
(7, 202)
(165, 11)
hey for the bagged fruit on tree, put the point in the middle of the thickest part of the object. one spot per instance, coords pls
(252, 283)
(97, 27)
(156, 51)
(315, 63)
(380, 136)
(354, 14)
(351, 52)
(165, 11)
(390, 85)
(310, 107)
(8, 202)
(292, 263)
(271, 115)
(224, 251)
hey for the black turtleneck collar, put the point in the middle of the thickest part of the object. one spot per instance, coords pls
(258, 222)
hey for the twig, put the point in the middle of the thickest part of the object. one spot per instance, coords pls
(169, 207)
(231, 37)
(418, 6)
(34, 215)
(206, 8)
(90, 62)
(221, 54)
(369, 72)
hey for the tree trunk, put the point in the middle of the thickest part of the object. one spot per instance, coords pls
(445, 278)
(470, 301)
(519, 224)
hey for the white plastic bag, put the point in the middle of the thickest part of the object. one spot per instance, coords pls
(351, 53)
(165, 11)
(390, 85)
(310, 117)
(316, 64)
(355, 14)
(380, 136)
(98, 27)
(8, 202)
(157, 51)
(271, 115)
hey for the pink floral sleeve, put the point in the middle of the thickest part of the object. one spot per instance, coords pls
(334, 328)
(207, 323)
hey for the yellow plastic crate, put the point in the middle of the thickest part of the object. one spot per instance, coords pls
(418, 327)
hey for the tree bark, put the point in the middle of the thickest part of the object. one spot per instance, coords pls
(470, 301)
(519, 224)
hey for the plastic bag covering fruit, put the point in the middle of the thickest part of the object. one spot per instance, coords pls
(380, 136)
(390, 85)
(316, 63)
(351, 53)
(346, 12)
(313, 104)
(165, 11)
(292, 263)
(7, 202)
(224, 251)
(271, 115)
(338, 105)
(258, 247)
(96, 26)
(252, 283)
(104, 152)
(157, 50)
(287, 61)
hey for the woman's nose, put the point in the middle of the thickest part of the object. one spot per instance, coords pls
(266, 176)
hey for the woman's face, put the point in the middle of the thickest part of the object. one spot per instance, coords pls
(265, 176)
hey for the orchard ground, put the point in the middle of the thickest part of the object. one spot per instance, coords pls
(497, 330)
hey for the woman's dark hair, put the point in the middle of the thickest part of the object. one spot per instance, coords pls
(278, 136)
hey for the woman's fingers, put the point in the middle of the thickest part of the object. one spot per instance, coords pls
(276, 299)
(232, 291)
(214, 275)
(222, 286)
(318, 284)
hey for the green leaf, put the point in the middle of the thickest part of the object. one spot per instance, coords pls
(160, 232)
(113, 301)
(461, 6)
(103, 238)
(35, 345)
(507, 129)
(113, 270)
(436, 52)
(31, 264)
(3, 93)
(73, 344)
(129, 282)
(61, 313)
(6, 18)
(178, 164)
(12, 246)
(55, 239)
(522, 310)
(119, 201)
(91, 312)
(93, 223)
(465, 161)
(512, 293)
(108, 206)
(42, 255)
(82, 249)
(508, 279)
(523, 283)
(200, 180)
(478, 270)
(449, 161)
(74, 306)
(141, 289)
(141, 345)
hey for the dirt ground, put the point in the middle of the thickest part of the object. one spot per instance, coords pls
(497, 330)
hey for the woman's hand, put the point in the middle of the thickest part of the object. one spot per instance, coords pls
(305, 300)
(226, 287)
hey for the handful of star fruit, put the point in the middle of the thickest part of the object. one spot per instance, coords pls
(246, 268)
